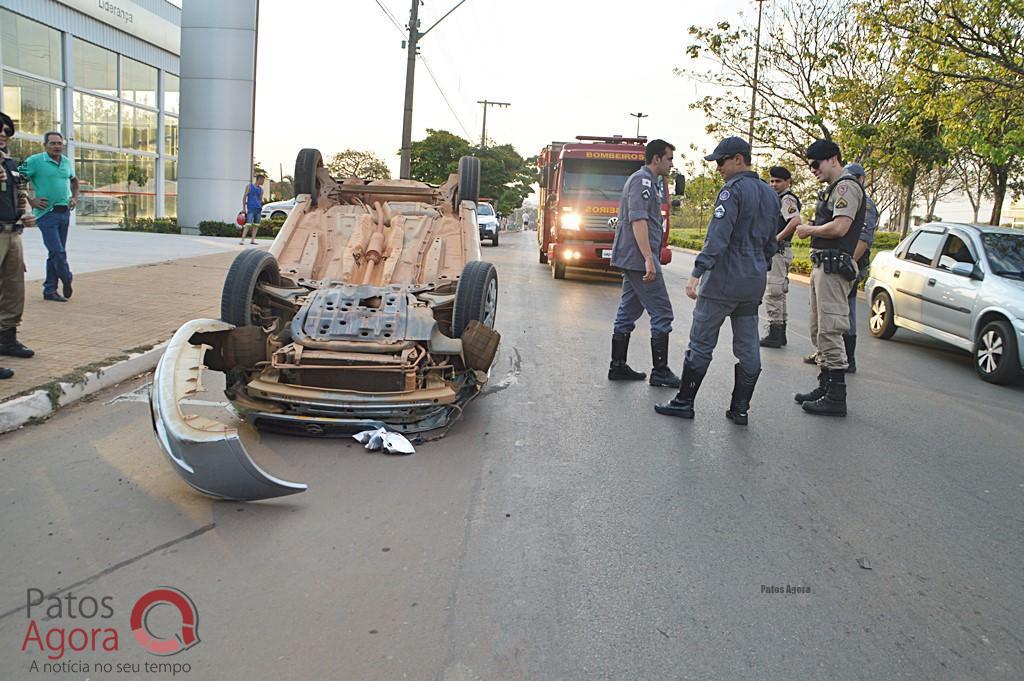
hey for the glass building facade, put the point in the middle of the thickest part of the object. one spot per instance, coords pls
(119, 114)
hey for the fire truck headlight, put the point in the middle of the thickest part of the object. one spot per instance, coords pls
(571, 221)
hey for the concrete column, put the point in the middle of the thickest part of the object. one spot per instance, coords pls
(218, 73)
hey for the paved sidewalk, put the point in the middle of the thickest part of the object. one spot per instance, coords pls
(111, 313)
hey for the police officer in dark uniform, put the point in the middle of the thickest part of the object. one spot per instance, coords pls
(838, 221)
(635, 251)
(778, 274)
(15, 215)
(862, 254)
(731, 273)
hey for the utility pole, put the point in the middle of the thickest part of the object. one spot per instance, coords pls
(412, 45)
(638, 115)
(757, 63)
(483, 133)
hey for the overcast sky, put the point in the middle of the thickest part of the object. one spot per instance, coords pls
(331, 75)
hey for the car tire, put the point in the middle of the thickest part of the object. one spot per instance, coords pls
(469, 180)
(306, 180)
(249, 269)
(494, 241)
(995, 353)
(476, 297)
(558, 269)
(278, 214)
(543, 256)
(881, 316)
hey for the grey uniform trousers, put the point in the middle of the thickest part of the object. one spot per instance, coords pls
(708, 317)
(639, 295)
(852, 298)
(830, 317)
(778, 286)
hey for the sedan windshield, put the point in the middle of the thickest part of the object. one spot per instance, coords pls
(484, 209)
(1005, 253)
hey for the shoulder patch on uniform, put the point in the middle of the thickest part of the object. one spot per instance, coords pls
(719, 212)
(646, 193)
(645, 182)
(724, 195)
(842, 188)
(842, 203)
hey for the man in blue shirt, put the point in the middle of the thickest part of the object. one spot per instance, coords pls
(731, 273)
(253, 202)
(635, 251)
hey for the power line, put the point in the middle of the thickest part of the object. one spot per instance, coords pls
(391, 17)
(430, 72)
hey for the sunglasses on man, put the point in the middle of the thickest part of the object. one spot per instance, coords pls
(720, 161)
(814, 165)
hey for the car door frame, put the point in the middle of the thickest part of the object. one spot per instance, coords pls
(949, 299)
(909, 279)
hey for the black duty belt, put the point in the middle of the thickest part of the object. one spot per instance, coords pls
(12, 227)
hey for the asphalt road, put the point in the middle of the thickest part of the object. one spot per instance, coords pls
(563, 530)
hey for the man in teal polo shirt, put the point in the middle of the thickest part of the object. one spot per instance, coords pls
(53, 180)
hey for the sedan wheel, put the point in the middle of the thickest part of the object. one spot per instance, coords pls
(881, 322)
(995, 353)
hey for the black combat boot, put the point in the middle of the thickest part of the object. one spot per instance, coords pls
(618, 370)
(5, 373)
(851, 349)
(742, 390)
(776, 336)
(661, 375)
(833, 402)
(783, 334)
(817, 393)
(9, 344)
(682, 404)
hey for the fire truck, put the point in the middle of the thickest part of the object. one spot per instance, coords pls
(580, 187)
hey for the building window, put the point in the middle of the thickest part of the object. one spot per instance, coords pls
(171, 187)
(95, 120)
(171, 135)
(33, 104)
(115, 186)
(30, 46)
(138, 82)
(138, 129)
(172, 93)
(94, 68)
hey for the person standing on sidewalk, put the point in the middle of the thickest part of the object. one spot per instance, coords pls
(635, 251)
(731, 272)
(862, 255)
(55, 186)
(252, 199)
(778, 276)
(15, 215)
(838, 221)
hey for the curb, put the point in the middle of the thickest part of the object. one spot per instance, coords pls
(41, 404)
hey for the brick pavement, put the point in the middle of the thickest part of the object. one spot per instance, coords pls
(112, 312)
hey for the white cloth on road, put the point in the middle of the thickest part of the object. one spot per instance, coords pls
(392, 443)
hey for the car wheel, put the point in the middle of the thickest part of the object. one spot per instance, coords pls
(558, 269)
(469, 180)
(306, 181)
(278, 214)
(476, 297)
(995, 353)
(494, 241)
(543, 257)
(240, 302)
(880, 321)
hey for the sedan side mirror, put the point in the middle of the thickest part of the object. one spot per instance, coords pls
(680, 185)
(966, 269)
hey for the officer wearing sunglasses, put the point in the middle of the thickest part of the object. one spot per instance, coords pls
(838, 221)
(728, 280)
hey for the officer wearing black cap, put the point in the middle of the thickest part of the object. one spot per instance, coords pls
(778, 274)
(862, 254)
(838, 221)
(728, 280)
(15, 214)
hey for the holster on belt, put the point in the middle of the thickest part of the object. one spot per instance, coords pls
(835, 261)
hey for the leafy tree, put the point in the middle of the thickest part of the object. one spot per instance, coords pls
(436, 156)
(354, 163)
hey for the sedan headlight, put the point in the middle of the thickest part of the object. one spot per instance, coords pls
(571, 221)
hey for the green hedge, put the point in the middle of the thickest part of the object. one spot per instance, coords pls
(268, 228)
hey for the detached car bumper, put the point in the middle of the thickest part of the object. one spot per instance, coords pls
(207, 454)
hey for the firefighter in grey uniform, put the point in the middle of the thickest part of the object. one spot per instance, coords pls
(862, 255)
(778, 274)
(838, 221)
(635, 251)
(731, 272)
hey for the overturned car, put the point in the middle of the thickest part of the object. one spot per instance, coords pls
(372, 308)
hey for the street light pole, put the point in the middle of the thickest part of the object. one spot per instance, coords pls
(757, 63)
(483, 133)
(410, 75)
(638, 115)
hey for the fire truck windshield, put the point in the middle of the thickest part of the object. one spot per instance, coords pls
(605, 178)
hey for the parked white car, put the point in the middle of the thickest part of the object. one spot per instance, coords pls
(962, 284)
(488, 222)
(277, 209)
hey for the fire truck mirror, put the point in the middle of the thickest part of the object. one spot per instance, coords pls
(680, 185)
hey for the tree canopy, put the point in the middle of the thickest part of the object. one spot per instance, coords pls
(355, 163)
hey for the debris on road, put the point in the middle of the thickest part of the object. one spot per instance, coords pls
(864, 563)
(382, 438)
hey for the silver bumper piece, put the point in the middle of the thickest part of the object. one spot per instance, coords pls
(207, 454)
